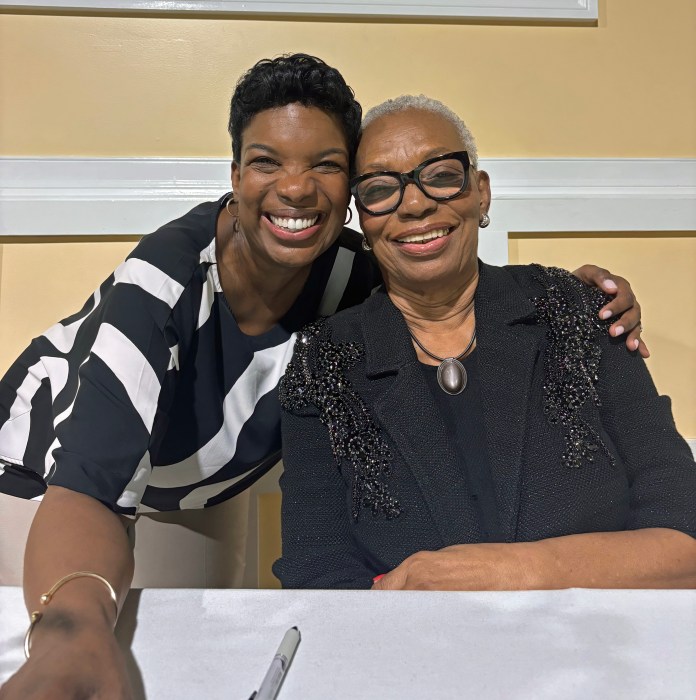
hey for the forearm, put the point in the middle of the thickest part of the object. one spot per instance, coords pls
(73, 532)
(74, 652)
(649, 558)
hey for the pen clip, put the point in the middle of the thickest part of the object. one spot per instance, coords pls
(270, 685)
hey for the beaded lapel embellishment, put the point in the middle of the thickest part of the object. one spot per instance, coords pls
(571, 363)
(316, 376)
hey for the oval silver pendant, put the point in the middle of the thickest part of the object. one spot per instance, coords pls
(451, 376)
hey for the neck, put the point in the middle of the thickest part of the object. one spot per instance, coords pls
(259, 293)
(436, 309)
(442, 320)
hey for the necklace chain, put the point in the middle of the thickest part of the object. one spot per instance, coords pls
(468, 312)
(442, 359)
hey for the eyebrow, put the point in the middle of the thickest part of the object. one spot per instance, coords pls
(321, 154)
(333, 151)
(260, 147)
(432, 153)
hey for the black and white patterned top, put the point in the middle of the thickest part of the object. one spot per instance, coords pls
(150, 397)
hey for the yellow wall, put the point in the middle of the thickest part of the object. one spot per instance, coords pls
(119, 85)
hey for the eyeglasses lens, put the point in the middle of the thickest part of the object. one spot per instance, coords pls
(443, 179)
(379, 193)
(440, 180)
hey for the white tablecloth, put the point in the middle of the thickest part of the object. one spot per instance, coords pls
(558, 645)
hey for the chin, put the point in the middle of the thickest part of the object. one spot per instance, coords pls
(297, 257)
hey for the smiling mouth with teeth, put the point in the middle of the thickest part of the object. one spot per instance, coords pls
(425, 237)
(290, 224)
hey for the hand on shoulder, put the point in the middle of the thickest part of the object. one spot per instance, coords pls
(623, 308)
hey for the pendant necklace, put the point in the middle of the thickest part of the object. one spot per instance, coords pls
(451, 373)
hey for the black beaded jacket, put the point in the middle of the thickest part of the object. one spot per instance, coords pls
(578, 438)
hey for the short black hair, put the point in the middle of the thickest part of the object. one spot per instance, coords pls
(298, 77)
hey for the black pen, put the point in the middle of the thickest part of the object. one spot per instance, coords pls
(273, 679)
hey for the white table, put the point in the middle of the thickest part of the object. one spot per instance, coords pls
(558, 645)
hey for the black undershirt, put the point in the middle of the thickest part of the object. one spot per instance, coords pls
(463, 416)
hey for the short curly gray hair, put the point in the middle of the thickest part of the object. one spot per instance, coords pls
(429, 104)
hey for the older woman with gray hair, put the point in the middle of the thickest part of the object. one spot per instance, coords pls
(471, 426)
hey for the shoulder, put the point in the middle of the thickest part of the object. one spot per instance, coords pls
(568, 308)
(556, 292)
(178, 247)
(166, 272)
(525, 276)
(329, 351)
(168, 265)
(317, 368)
(372, 320)
(539, 280)
(348, 324)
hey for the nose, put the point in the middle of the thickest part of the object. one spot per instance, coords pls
(296, 187)
(415, 203)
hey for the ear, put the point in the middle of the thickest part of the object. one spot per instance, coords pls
(235, 176)
(484, 188)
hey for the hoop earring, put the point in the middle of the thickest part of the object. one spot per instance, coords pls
(235, 218)
(484, 221)
(350, 217)
(366, 245)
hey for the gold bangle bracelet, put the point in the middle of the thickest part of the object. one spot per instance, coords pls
(46, 599)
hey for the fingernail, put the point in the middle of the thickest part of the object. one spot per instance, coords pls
(609, 284)
(377, 578)
(636, 343)
(618, 330)
(605, 314)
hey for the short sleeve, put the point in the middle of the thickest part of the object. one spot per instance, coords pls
(80, 405)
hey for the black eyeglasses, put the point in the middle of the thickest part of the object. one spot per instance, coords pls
(440, 178)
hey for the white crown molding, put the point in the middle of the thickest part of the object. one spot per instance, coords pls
(587, 195)
(126, 196)
(556, 10)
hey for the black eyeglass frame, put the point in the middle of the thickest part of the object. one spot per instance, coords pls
(412, 177)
